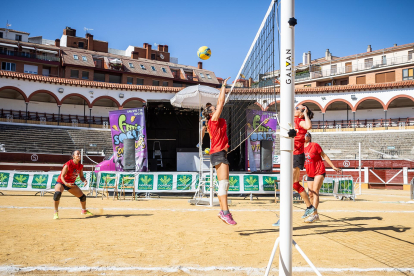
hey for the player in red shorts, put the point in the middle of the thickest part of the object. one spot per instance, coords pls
(217, 129)
(315, 169)
(66, 181)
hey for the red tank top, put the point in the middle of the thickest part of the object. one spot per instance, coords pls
(73, 172)
(300, 137)
(218, 135)
(313, 161)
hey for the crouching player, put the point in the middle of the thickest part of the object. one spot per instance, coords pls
(66, 181)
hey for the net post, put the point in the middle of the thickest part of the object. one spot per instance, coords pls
(287, 94)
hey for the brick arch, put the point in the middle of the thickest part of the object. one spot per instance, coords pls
(77, 95)
(310, 101)
(368, 98)
(272, 103)
(106, 97)
(259, 105)
(17, 89)
(46, 92)
(337, 100)
(396, 97)
(133, 99)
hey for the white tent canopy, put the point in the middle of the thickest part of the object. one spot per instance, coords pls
(195, 97)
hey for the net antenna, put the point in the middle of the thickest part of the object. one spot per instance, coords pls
(250, 107)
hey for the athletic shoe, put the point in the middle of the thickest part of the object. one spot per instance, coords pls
(86, 212)
(310, 219)
(277, 224)
(56, 216)
(228, 219)
(220, 215)
(308, 212)
(317, 217)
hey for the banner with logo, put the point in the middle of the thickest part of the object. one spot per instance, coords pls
(267, 131)
(129, 123)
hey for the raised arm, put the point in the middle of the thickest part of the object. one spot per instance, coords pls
(326, 158)
(220, 101)
(307, 124)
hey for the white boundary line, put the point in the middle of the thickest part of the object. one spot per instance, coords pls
(249, 270)
(203, 209)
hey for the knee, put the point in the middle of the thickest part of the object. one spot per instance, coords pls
(82, 198)
(57, 195)
(223, 187)
(298, 188)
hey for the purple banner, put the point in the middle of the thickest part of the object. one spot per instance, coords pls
(129, 124)
(264, 132)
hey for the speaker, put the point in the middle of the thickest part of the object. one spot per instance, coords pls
(129, 154)
(266, 156)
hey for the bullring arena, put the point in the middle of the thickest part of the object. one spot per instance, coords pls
(373, 235)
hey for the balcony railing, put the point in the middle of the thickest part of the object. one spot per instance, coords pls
(9, 115)
(367, 124)
(361, 66)
(29, 55)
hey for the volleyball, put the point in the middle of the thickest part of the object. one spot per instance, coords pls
(204, 52)
(207, 151)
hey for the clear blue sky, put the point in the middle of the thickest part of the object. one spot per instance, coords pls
(227, 26)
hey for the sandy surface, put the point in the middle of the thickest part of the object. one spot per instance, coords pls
(372, 236)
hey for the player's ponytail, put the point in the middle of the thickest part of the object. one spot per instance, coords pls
(310, 113)
(207, 113)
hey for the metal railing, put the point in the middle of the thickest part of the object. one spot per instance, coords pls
(29, 55)
(369, 124)
(361, 66)
(43, 117)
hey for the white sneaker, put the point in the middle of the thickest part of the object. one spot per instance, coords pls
(311, 218)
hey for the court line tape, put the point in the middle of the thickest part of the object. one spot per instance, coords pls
(248, 270)
(203, 209)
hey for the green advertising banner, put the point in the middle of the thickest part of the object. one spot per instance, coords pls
(207, 179)
(20, 181)
(327, 186)
(345, 187)
(269, 183)
(127, 182)
(40, 181)
(4, 179)
(165, 182)
(105, 176)
(251, 183)
(234, 183)
(146, 182)
(184, 181)
(54, 180)
(93, 180)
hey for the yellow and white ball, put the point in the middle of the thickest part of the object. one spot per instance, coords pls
(207, 151)
(204, 52)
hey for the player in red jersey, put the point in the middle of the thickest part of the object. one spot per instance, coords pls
(217, 129)
(66, 181)
(315, 170)
(302, 119)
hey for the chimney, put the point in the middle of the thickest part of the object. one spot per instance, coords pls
(309, 58)
(90, 41)
(369, 49)
(250, 82)
(328, 55)
(57, 42)
(160, 48)
(69, 31)
(166, 48)
(134, 55)
(395, 45)
(200, 65)
(148, 53)
(305, 58)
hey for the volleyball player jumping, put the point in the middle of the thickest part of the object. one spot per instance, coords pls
(302, 118)
(217, 129)
(66, 181)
